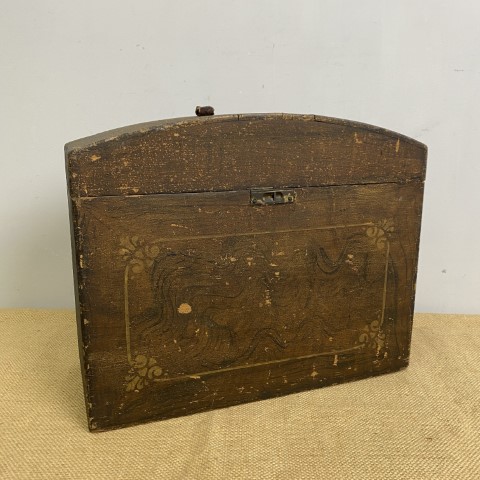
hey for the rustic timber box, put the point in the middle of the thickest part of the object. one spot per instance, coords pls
(225, 259)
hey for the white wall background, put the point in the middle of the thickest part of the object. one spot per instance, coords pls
(69, 69)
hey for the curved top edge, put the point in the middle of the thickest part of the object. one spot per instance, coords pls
(110, 135)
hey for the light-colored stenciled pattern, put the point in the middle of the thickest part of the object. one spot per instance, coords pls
(378, 234)
(144, 370)
(372, 336)
(138, 256)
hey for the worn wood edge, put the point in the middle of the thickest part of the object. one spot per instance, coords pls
(415, 269)
(402, 364)
(139, 128)
(78, 290)
(374, 129)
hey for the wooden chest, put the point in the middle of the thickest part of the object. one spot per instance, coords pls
(221, 260)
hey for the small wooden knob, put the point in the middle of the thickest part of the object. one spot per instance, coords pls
(204, 111)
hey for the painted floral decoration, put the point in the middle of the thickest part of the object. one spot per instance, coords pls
(372, 336)
(137, 254)
(378, 234)
(144, 370)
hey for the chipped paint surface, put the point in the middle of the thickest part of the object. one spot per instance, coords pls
(184, 308)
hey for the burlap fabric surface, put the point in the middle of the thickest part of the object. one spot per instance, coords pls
(423, 422)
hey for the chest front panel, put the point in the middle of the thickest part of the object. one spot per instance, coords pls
(189, 287)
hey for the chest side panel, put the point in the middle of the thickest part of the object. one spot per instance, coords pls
(195, 301)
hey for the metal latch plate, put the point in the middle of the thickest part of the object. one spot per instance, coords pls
(270, 196)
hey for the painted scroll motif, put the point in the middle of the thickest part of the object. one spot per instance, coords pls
(232, 302)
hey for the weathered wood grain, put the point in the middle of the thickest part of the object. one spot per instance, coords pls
(238, 152)
(191, 298)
